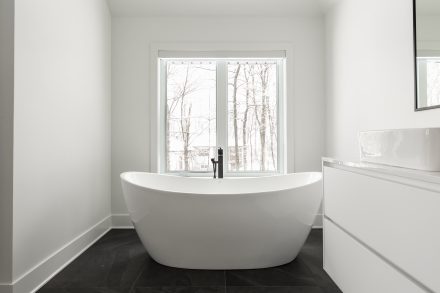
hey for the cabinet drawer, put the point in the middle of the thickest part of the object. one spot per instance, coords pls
(355, 269)
(399, 221)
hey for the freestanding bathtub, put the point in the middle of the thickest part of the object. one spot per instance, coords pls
(231, 223)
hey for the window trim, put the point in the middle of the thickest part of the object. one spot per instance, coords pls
(157, 90)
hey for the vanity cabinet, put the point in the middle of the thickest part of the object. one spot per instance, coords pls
(381, 228)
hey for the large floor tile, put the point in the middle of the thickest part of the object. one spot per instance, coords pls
(267, 277)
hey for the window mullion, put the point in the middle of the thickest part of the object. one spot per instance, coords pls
(163, 110)
(222, 109)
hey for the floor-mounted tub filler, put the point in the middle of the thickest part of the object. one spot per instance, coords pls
(232, 223)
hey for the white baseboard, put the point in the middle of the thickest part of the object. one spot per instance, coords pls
(39, 275)
(121, 221)
(318, 222)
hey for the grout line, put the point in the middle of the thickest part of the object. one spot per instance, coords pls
(224, 278)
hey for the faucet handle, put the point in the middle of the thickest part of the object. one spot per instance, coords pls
(214, 166)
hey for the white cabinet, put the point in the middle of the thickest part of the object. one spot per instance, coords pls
(383, 221)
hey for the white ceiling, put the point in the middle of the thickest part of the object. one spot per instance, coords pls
(430, 7)
(212, 8)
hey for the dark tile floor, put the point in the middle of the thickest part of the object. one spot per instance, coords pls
(118, 263)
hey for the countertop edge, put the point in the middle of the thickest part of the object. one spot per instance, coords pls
(419, 175)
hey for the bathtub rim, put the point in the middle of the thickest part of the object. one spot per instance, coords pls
(124, 175)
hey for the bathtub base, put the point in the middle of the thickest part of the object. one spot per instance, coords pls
(213, 267)
(217, 251)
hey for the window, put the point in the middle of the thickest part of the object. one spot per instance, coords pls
(227, 102)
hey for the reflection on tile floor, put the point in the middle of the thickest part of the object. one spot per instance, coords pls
(118, 263)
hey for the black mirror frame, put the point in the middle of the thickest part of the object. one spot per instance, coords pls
(416, 107)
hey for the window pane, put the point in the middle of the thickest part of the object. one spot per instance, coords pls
(190, 120)
(252, 116)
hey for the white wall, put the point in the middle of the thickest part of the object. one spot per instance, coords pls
(61, 125)
(131, 38)
(370, 73)
(6, 136)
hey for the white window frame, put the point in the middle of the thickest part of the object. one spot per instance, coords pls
(219, 53)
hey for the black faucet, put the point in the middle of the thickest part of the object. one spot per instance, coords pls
(218, 163)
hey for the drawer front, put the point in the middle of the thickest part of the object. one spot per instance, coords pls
(355, 269)
(399, 221)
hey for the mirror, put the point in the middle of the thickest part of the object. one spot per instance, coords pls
(427, 53)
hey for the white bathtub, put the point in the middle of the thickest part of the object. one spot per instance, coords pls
(231, 223)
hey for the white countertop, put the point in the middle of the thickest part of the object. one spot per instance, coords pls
(432, 177)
